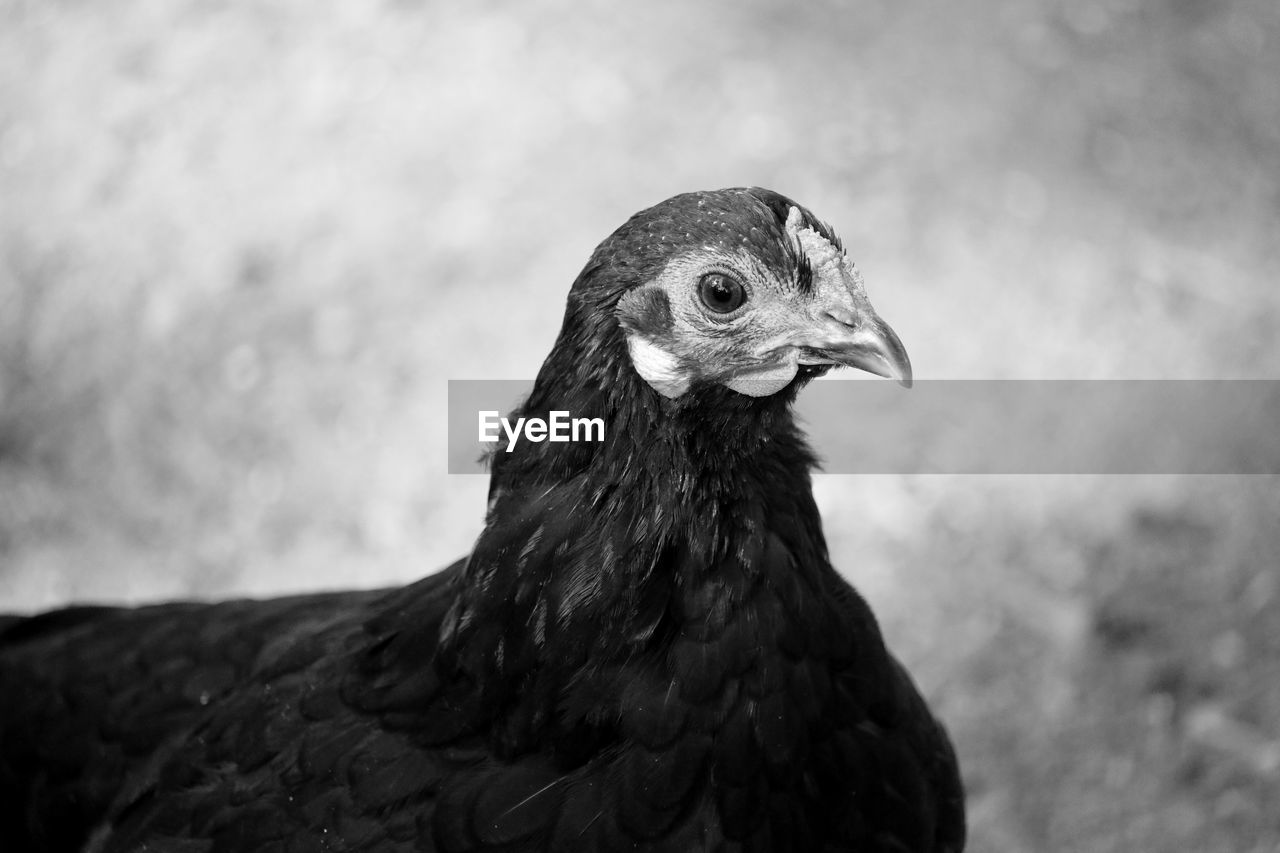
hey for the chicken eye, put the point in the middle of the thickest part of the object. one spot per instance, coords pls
(720, 293)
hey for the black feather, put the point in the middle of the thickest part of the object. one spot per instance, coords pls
(647, 648)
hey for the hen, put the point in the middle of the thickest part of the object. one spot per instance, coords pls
(647, 649)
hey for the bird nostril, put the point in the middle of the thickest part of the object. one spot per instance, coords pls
(843, 316)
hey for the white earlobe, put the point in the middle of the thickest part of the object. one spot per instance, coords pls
(658, 367)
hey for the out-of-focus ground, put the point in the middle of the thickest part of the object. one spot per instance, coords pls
(243, 246)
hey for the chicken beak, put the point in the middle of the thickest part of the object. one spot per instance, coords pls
(864, 341)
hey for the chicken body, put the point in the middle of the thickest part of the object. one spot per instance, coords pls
(647, 649)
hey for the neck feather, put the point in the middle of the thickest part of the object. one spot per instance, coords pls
(617, 541)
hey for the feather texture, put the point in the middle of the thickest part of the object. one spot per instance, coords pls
(648, 647)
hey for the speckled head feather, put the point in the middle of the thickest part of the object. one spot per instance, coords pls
(641, 348)
(803, 304)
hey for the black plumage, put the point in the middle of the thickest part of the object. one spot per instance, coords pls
(648, 647)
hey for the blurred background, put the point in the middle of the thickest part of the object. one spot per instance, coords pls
(244, 245)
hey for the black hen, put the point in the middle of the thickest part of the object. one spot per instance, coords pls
(647, 649)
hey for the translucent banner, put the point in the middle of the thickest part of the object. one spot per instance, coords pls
(965, 426)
